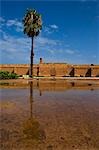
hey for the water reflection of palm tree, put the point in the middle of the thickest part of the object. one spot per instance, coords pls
(31, 127)
(31, 99)
(38, 88)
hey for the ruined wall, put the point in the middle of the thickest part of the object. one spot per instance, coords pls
(61, 69)
(82, 70)
(86, 70)
(8, 68)
(44, 69)
(95, 71)
(20, 69)
(53, 69)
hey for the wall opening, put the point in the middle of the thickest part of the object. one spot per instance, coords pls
(12, 71)
(88, 73)
(27, 72)
(71, 74)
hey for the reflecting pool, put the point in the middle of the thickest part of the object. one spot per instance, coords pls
(49, 115)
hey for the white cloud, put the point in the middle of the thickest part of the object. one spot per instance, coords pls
(63, 51)
(17, 48)
(48, 30)
(70, 51)
(54, 26)
(46, 41)
(13, 44)
(15, 23)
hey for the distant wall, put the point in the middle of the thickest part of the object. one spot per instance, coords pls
(20, 69)
(81, 70)
(95, 71)
(86, 70)
(53, 69)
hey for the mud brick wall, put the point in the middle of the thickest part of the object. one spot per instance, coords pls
(95, 71)
(35, 70)
(61, 69)
(7, 68)
(82, 70)
(20, 69)
(44, 69)
(53, 69)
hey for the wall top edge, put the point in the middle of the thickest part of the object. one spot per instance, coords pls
(75, 65)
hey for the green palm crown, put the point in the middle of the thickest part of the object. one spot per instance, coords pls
(32, 23)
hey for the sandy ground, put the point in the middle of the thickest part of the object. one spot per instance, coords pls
(56, 115)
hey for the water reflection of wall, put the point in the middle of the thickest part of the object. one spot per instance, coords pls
(51, 85)
(63, 85)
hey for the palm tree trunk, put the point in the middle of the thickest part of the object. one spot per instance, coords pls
(32, 55)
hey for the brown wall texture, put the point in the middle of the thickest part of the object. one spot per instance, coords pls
(53, 69)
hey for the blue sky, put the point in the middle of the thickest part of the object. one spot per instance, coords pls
(70, 32)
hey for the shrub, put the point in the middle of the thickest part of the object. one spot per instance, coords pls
(4, 74)
(13, 76)
(7, 75)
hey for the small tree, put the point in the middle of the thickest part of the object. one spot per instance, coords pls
(32, 25)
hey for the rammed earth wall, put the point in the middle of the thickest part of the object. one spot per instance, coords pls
(53, 69)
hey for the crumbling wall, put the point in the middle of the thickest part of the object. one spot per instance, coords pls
(53, 69)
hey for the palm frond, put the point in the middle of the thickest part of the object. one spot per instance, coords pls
(32, 23)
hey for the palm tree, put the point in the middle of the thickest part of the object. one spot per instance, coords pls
(32, 25)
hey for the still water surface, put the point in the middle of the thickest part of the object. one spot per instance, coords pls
(49, 115)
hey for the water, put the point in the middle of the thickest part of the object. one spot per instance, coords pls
(49, 115)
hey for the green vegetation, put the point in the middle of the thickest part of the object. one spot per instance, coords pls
(32, 25)
(8, 75)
